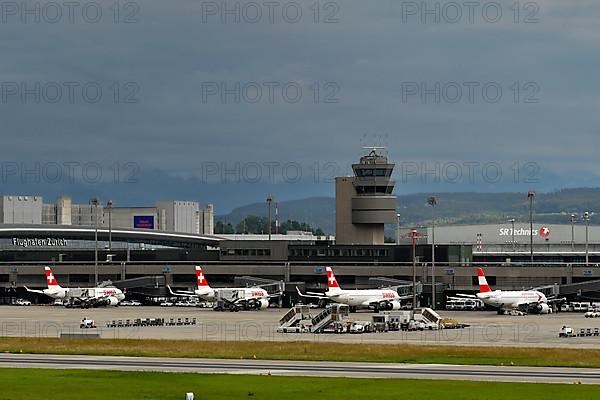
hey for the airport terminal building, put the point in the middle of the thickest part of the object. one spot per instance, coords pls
(125, 254)
(143, 249)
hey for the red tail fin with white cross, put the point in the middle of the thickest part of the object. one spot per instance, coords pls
(200, 278)
(51, 279)
(483, 285)
(332, 283)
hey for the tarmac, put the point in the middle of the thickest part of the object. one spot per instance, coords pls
(486, 328)
(305, 368)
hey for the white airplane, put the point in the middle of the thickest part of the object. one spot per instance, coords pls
(85, 297)
(523, 300)
(377, 299)
(251, 298)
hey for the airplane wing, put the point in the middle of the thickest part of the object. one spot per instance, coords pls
(469, 296)
(183, 293)
(33, 291)
(556, 300)
(311, 294)
(527, 304)
(89, 301)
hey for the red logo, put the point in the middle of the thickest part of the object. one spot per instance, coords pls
(544, 232)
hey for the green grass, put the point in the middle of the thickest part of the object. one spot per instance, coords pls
(27, 384)
(315, 351)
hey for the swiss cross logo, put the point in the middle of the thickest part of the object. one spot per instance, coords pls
(331, 282)
(544, 232)
(200, 278)
(50, 277)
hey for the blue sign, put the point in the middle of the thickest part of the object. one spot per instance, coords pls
(143, 221)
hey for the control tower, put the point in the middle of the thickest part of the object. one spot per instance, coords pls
(364, 202)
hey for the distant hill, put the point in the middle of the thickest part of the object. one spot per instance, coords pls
(452, 208)
(318, 212)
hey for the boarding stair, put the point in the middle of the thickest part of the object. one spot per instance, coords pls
(332, 313)
(293, 316)
(321, 320)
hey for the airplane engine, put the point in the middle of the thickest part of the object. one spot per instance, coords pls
(395, 305)
(389, 305)
(263, 304)
(543, 308)
(253, 304)
(112, 301)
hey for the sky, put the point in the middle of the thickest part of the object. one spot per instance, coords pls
(227, 102)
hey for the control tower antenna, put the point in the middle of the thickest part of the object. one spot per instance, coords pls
(373, 149)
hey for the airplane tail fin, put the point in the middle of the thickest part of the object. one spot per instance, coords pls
(201, 279)
(332, 283)
(51, 279)
(483, 285)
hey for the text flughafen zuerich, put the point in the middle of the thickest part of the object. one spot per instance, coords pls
(39, 242)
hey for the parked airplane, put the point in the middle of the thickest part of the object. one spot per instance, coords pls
(83, 297)
(522, 300)
(250, 298)
(377, 299)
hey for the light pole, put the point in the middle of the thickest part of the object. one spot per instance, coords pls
(109, 205)
(269, 201)
(432, 201)
(512, 232)
(531, 196)
(94, 201)
(573, 219)
(413, 235)
(398, 228)
(586, 218)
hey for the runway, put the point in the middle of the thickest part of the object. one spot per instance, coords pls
(305, 368)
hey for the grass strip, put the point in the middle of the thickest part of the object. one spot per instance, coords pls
(27, 384)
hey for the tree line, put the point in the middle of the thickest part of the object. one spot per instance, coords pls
(254, 224)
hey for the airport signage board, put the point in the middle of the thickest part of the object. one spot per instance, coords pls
(543, 232)
(143, 221)
(39, 242)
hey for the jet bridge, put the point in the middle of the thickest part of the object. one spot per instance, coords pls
(270, 285)
(141, 282)
(550, 290)
(580, 288)
(404, 288)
